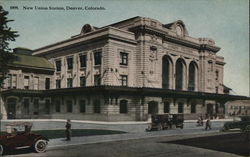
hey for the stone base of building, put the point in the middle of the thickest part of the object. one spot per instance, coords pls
(106, 103)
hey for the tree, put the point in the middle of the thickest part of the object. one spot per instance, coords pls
(6, 35)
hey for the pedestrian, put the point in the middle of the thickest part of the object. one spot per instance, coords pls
(208, 124)
(68, 130)
(201, 120)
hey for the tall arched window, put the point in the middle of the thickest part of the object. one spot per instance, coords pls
(166, 64)
(123, 106)
(179, 74)
(192, 76)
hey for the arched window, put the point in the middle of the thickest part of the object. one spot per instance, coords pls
(123, 106)
(166, 64)
(179, 74)
(180, 107)
(191, 78)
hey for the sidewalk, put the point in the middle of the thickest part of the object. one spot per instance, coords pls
(61, 142)
(134, 127)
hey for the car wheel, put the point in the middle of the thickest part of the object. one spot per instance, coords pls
(40, 146)
(1, 149)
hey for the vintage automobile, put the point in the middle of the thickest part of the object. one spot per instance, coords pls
(19, 136)
(166, 121)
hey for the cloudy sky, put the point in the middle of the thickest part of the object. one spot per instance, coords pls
(225, 21)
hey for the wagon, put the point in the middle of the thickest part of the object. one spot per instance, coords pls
(19, 136)
(166, 121)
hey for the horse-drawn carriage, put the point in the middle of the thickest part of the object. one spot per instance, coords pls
(166, 121)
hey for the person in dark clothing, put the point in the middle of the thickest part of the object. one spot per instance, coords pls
(208, 124)
(68, 130)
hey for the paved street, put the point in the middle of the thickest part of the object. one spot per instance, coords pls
(136, 142)
(147, 147)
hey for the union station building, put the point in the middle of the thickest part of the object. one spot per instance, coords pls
(125, 71)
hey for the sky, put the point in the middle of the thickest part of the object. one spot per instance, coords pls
(225, 21)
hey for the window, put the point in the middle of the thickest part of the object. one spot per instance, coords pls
(123, 58)
(123, 106)
(70, 63)
(193, 108)
(9, 81)
(216, 89)
(69, 106)
(69, 82)
(97, 106)
(180, 107)
(47, 83)
(82, 106)
(166, 107)
(57, 106)
(58, 65)
(82, 81)
(36, 106)
(26, 105)
(216, 75)
(124, 80)
(47, 106)
(210, 65)
(58, 84)
(26, 82)
(36, 83)
(14, 80)
(152, 107)
(97, 80)
(98, 58)
(83, 61)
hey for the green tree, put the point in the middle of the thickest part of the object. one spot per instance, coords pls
(6, 35)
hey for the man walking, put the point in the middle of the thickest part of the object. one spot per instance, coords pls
(208, 124)
(68, 130)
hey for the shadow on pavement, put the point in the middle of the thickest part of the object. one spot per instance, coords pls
(230, 143)
(18, 151)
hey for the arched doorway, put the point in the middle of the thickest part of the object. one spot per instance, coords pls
(166, 71)
(11, 108)
(179, 74)
(192, 79)
(152, 107)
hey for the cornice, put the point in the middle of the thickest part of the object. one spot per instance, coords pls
(166, 36)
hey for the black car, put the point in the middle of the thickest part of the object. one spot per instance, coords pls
(166, 121)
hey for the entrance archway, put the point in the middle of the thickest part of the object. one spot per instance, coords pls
(11, 108)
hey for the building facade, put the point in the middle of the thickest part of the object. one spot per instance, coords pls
(125, 71)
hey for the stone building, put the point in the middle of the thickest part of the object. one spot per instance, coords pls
(237, 108)
(125, 71)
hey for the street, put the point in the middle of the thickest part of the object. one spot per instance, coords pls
(147, 147)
